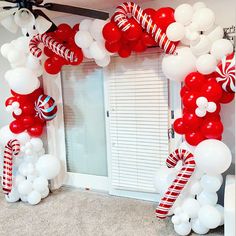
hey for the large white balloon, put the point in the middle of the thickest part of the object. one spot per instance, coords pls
(198, 5)
(183, 229)
(175, 32)
(183, 14)
(199, 228)
(96, 28)
(22, 80)
(83, 39)
(191, 207)
(209, 216)
(34, 198)
(204, 18)
(85, 24)
(48, 166)
(203, 46)
(172, 65)
(211, 183)
(216, 34)
(212, 156)
(206, 64)
(221, 48)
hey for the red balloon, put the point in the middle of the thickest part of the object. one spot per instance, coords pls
(36, 130)
(164, 17)
(27, 121)
(148, 39)
(194, 80)
(134, 32)
(75, 28)
(212, 91)
(179, 126)
(226, 97)
(52, 67)
(124, 51)
(138, 46)
(34, 96)
(27, 108)
(111, 32)
(16, 127)
(184, 90)
(212, 129)
(79, 54)
(48, 52)
(192, 121)
(194, 138)
(9, 101)
(189, 100)
(56, 59)
(150, 12)
(112, 46)
(63, 32)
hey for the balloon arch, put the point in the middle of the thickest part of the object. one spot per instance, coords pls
(196, 54)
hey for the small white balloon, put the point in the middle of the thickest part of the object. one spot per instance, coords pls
(25, 187)
(5, 49)
(184, 217)
(97, 51)
(23, 138)
(211, 183)
(37, 144)
(23, 198)
(183, 14)
(203, 46)
(221, 211)
(45, 193)
(13, 196)
(199, 112)
(96, 28)
(85, 24)
(209, 216)
(191, 207)
(211, 107)
(18, 179)
(221, 48)
(86, 53)
(176, 220)
(206, 64)
(9, 108)
(40, 184)
(175, 31)
(216, 34)
(199, 228)
(196, 188)
(34, 198)
(83, 39)
(18, 111)
(202, 102)
(198, 5)
(207, 198)
(104, 62)
(183, 229)
(23, 169)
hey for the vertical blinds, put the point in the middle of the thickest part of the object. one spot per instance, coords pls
(138, 120)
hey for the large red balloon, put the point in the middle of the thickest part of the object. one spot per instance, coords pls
(17, 127)
(212, 129)
(134, 32)
(179, 126)
(194, 138)
(212, 91)
(111, 32)
(164, 17)
(192, 121)
(189, 100)
(194, 81)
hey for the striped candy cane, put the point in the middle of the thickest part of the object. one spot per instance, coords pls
(129, 8)
(53, 45)
(179, 183)
(11, 149)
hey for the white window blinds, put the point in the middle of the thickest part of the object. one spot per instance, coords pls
(137, 94)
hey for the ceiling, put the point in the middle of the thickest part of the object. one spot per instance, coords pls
(92, 4)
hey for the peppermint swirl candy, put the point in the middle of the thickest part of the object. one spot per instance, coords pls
(226, 72)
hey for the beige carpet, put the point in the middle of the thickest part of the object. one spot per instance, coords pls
(73, 212)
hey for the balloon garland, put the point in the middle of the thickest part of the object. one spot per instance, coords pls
(197, 55)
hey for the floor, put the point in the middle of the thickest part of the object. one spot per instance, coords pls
(73, 212)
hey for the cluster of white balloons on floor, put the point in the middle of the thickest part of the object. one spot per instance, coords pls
(32, 168)
(201, 42)
(90, 39)
(196, 208)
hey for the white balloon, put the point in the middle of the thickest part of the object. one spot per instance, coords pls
(34, 198)
(32, 62)
(96, 28)
(23, 198)
(45, 193)
(184, 217)
(207, 198)
(6, 135)
(183, 229)
(23, 169)
(18, 179)
(48, 166)
(22, 80)
(198, 5)
(196, 188)
(216, 34)
(202, 102)
(23, 138)
(200, 113)
(83, 39)
(104, 62)
(221, 211)
(203, 46)
(221, 48)
(211, 107)
(40, 184)
(206, 64)
(211, 183)
(183, 14)
(175, 32)
(16, 57)
(204, 18)
(191, 207)
(97, 51)
(24, 187)
(86, 53)
(212, 156)
(5, 49)
(37, 144)
(13, 196)
(176, 220)
(209, 216)
(172, 65)
(199, 228)
(22, 44)
(85, 24)
(178, 210)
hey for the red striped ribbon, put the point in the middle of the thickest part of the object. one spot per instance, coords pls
(53, 45)
(179, 183)
(11, 149)
(129, 8)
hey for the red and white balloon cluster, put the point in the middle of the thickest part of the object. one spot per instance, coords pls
(30, 168)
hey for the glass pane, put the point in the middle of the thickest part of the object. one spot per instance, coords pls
(83, 99)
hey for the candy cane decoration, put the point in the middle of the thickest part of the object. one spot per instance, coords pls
(53, 45)
(179, 183)
(130, 8)
(11, 149)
